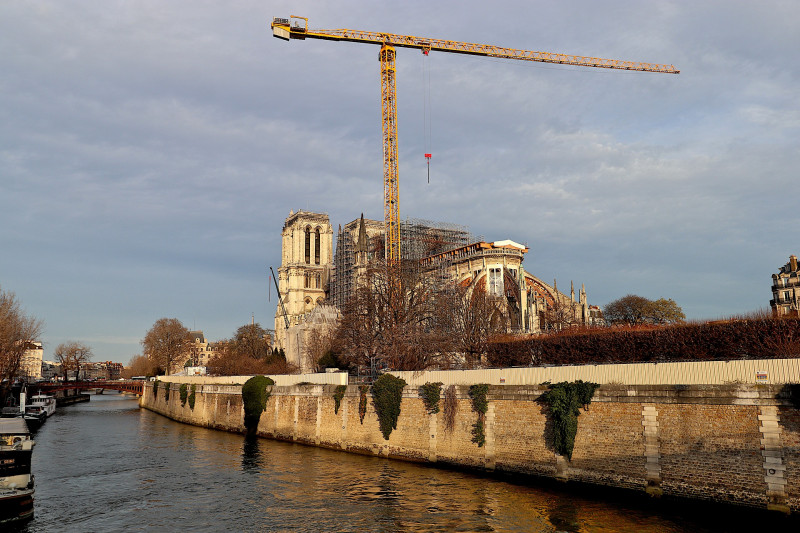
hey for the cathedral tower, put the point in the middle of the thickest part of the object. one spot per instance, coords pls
(306, 260)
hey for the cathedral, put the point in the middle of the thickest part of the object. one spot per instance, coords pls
(310, 275)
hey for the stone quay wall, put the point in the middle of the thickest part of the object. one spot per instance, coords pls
(735, 444)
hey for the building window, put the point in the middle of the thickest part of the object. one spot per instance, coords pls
(316, 246)
(495, 281)
(308, 245)
(786, 296)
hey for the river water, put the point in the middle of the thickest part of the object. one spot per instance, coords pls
(106, 465)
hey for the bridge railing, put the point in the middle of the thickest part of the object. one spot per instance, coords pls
(135, 387)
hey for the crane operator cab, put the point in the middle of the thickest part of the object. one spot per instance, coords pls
(283, 28)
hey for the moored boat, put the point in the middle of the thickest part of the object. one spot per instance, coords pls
(41, 403)
(16, 480)
(34, 417)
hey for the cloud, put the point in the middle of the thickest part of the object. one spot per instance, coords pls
(150, 151)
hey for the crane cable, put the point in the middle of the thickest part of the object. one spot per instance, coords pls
(426, 120)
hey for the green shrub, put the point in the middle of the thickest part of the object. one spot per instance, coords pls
(193, 389)
(329, 360)
(155, 389)
(480, 405)
(387, 393)
(254, 398)
(565, 400)
(167, 386)
(430, 394)
(362, 402)
(184, 392)
(338, 394)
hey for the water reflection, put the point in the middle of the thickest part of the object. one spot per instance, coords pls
(251, 458)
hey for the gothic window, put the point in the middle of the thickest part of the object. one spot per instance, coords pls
(316, 246)
(308, 245)
(495, 287)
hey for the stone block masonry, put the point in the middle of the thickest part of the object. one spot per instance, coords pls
(735, 444)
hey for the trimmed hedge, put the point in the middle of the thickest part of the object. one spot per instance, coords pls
(430, 394)
(760, 338)
(254, 397)
(387, 394)
(338, 394)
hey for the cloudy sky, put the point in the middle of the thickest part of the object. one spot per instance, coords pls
(150, 151)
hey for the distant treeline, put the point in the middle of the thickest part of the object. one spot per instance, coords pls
(757, 338)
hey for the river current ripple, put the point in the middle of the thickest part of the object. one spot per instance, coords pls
(106, 465)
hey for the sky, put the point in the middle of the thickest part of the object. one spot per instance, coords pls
(150, 151)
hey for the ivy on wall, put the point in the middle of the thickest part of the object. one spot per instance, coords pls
(450, 408)
(387, 393)
(565, 400)
(791, 393)
(184, 392)
(193, 389)
(480, 405)
(167, 386)
(155, 389)
(362, 402)
(254, 398)
(430, 394)
(338, 394)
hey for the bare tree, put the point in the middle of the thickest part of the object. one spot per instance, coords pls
(248, 353)
(390, 321)
(560, 314)
(468, 320)
(633, 309)
(168, 344)
(71, 355)
(17, 330)
(319, 342)
(139, 365)
(228, 362)
(251, 340)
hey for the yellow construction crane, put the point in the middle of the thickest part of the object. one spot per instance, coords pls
(297, 28)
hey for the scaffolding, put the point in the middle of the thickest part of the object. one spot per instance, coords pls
(419, 239)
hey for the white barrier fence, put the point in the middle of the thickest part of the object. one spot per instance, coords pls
(775, 371)
(281, 380)
(767, 371)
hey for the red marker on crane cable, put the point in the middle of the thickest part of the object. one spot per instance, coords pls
(428, 158)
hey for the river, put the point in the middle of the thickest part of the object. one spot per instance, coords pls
(106, 465)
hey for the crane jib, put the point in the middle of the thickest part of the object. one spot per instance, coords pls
(296, 27)
(282, 29)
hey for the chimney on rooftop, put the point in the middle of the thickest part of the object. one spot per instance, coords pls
(793, 263)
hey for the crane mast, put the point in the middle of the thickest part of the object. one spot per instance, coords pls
(297, 28)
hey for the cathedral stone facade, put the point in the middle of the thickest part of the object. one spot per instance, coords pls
(310, 276)
(304, 274)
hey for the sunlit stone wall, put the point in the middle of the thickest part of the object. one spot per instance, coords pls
(737, 444)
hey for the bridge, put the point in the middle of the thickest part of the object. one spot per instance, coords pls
(133, 386)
